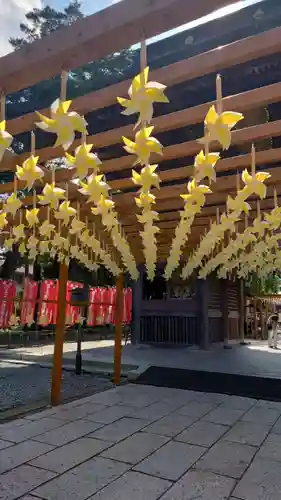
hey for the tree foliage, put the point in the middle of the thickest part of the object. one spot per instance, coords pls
(257, 286)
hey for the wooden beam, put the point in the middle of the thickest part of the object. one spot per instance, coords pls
(96, 36)
(202, 64)
(59, 337)
(118, 328)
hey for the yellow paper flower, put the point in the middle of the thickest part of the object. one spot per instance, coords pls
(22, 249)
(196, 194)
(32, 216)
(12, 204)
(238, 204)
(142, 95)
(84, 160)
(259, 226)
(46, 229)
(219, 126)
(62, 123)
(254, 184)
(32, 242)
(8, 243)
(205, 166)
(147, 178)
(51, 196)
(44, 246)
(65, 212)
(29, 172)
(274, 218)
(5, 139)
(14, 320)
(95, 188)
(18, 232)
(145, 201)
(76, 226)
(143, 146)
(3, 220)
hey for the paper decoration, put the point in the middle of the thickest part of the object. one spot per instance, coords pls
(12, 204)
(18, 232)
(32, 216)
(143, 146)
(65, 212)
(142, 95)
(52, 195)
(29, 172)
(46, 229)
(84, 160)
(205, 166)
(219, 126)
(63, 123)
(3, 220)
(5, 139)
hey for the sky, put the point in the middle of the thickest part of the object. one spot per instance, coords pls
(13, 13)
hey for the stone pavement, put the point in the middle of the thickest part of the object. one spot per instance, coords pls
(145, 443)
(255, 359)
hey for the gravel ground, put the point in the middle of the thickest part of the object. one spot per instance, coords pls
(22, 384)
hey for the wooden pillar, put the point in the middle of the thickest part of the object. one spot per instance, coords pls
(118, 328)
(255, 318)
(225, 320)
(203, 316)
(242, 312)
(137, 288)
(59, 336)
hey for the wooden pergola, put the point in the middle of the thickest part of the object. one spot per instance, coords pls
(108, 31)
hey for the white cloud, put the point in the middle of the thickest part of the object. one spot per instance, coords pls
(12, 14)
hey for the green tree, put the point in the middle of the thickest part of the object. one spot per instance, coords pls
(267, 286)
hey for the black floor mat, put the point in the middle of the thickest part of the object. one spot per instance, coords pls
(225, 383)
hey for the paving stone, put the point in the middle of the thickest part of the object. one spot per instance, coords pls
(21, 453)
(68, 432)
(120, 429)
(78, 411)
(262, 481)
(139, 400)
(261, 415)
(197, 409)
(110, 414)
(202, 433)
(277, 427)
(107, 398)
(246, 433)
(201, 486)
(230, 459)
(4, 444)
(155, 411)
(271, 448)
(275, 405)
(170, 425)
(49, 412)
(19, 481)
(82, 481)
(239, 402)
(70, 455)
(171, 461)
(213, 397)
(133, 486)
(135, 448)
(29, 429)
(224, 415)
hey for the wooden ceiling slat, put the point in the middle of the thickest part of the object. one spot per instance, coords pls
(96, 36)
(202, 64)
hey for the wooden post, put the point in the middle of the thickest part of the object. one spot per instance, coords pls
(203, 316)
(137, 287)
(225, 320)
(255, 318)
(242, 306)
(59, 337)
(118, 328)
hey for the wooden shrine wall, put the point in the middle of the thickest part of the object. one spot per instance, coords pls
(178, 321)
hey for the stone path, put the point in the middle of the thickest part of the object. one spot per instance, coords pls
(145, 443)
